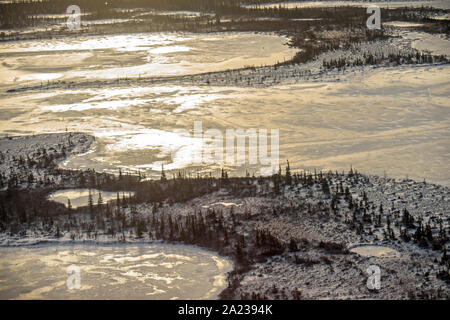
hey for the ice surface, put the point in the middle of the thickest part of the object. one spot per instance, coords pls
(126, 271)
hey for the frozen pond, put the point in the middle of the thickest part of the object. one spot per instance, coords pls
(375, 251)
(145, 271)
(80, 197)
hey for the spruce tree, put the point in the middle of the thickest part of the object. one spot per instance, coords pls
(163, 174)
(69, 208)
(100, 202)
(118, 200)
(293, 245)
(91, 203)
(288, 174)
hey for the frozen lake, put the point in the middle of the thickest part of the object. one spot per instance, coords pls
(144, 271)
(134, 55)
(392, 121)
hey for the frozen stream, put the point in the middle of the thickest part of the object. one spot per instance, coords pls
(375, 251)
(138, 271)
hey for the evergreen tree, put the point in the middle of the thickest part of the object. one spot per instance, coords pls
(428, 232)
(325, 187)
(163, 174)
(69, 208)
(288, 174)
(108, 211)
(91, 203)
(100, 201)
(118, 200)
(293, 245)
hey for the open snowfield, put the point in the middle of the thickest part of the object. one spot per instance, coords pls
(22, 156)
